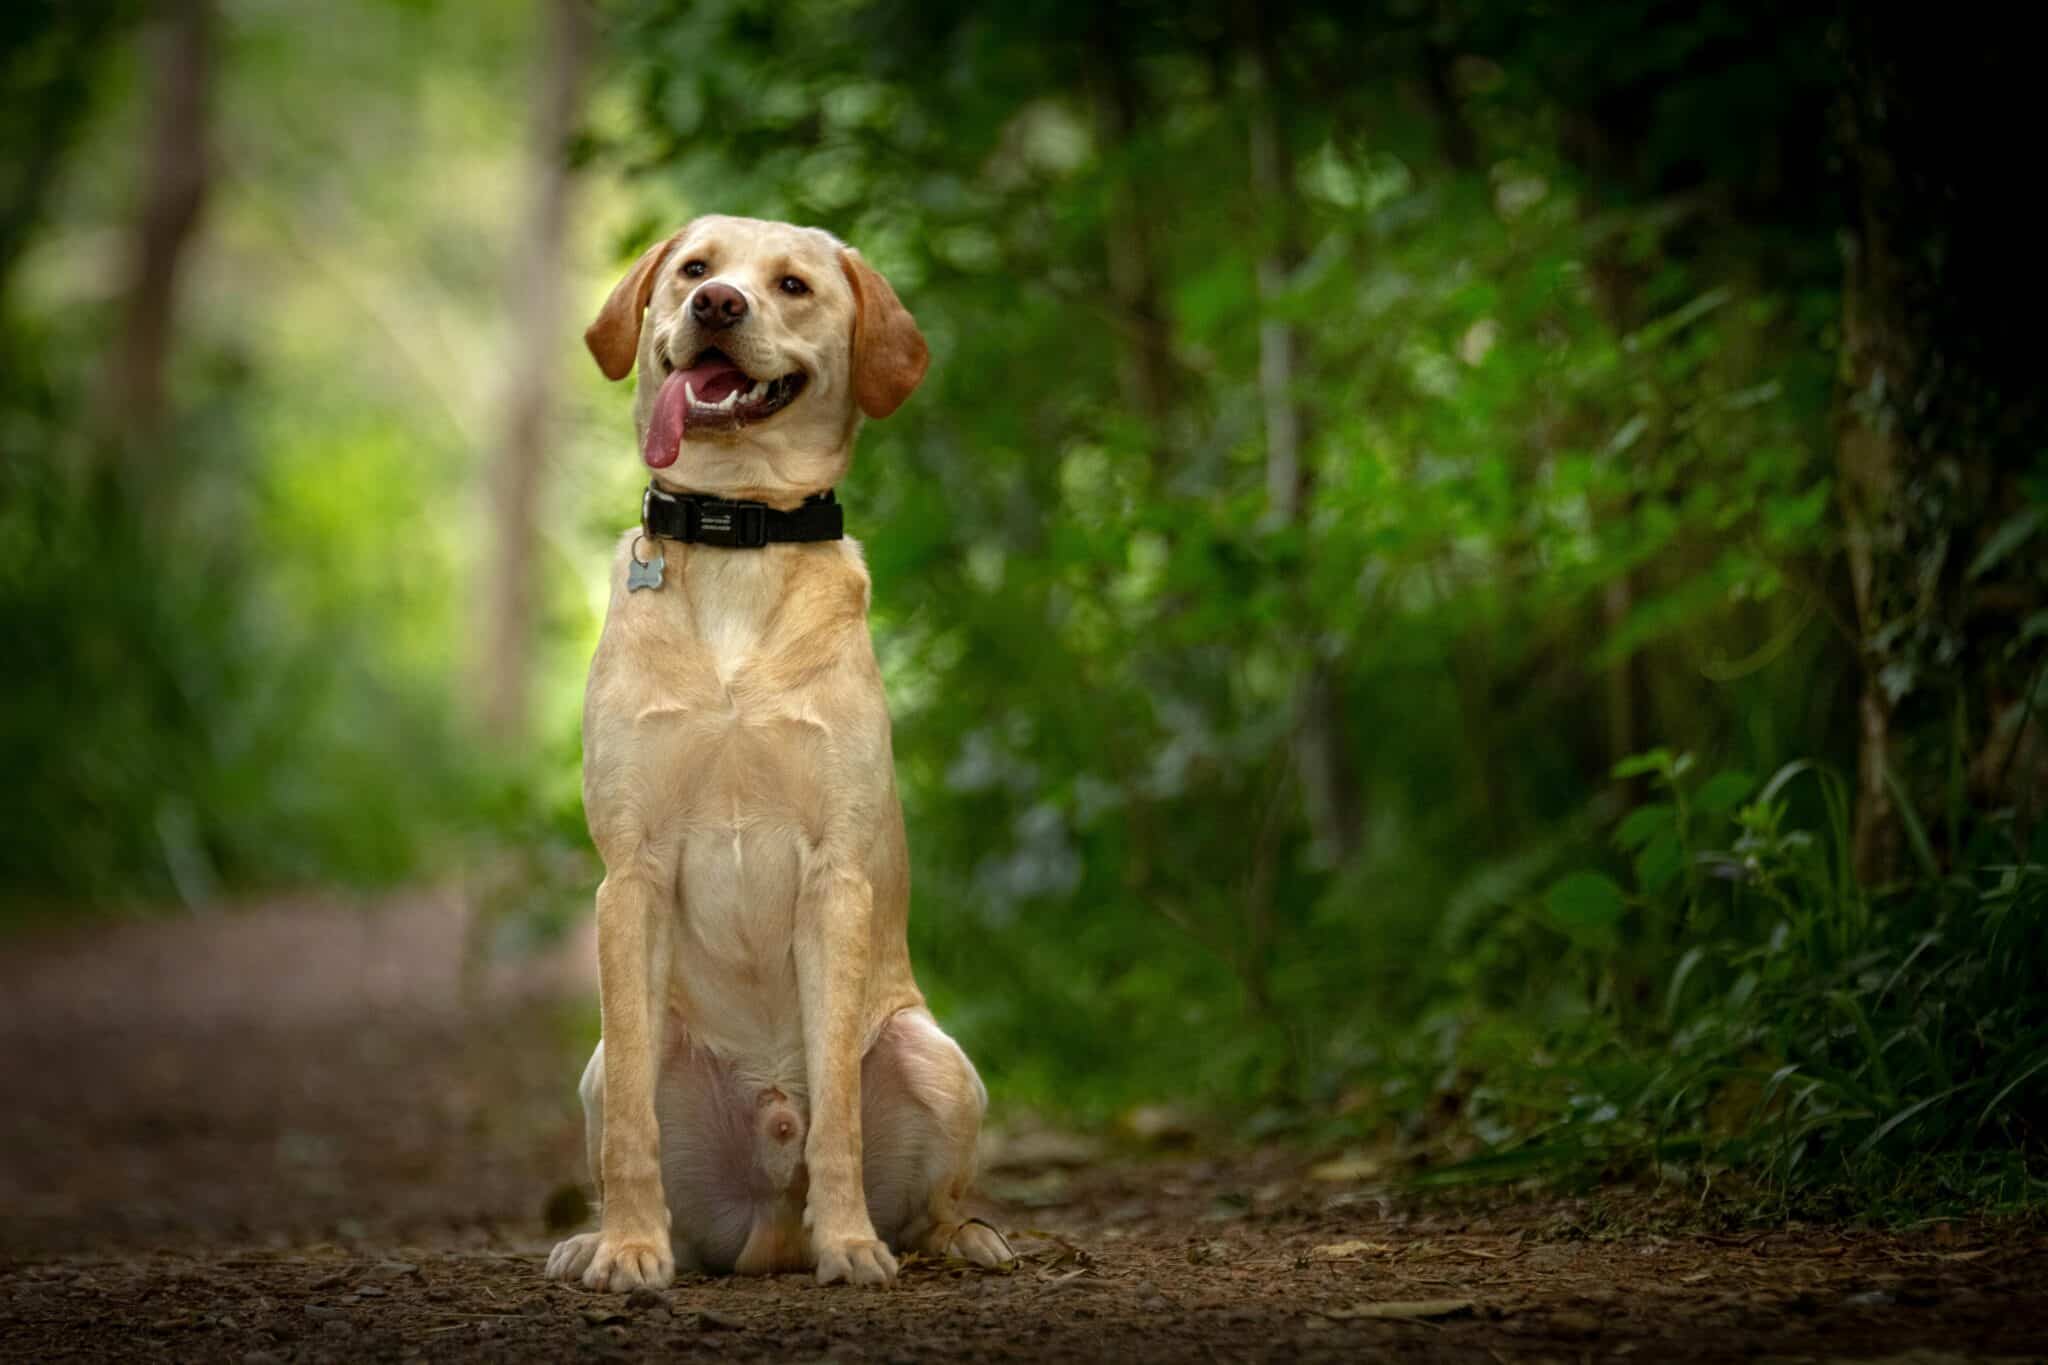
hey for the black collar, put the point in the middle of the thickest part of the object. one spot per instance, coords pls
(695, 519)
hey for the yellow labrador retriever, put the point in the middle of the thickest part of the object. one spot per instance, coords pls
(770, 1093)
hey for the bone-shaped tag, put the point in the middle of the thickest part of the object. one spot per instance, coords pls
(645, 575)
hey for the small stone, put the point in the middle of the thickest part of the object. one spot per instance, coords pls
(566, 1208)
(644, 1298)
(710, 1319)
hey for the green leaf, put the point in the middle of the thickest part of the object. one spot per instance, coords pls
(1724, 792)
(1790, 516)
(1637, 765)
(1587, 907)
(1686, 965)
(1909, 819)
(1660, 862)
(1642, 824)
(2016, 531)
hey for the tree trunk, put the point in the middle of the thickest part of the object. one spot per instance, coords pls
(1604, 143)
(1144, 352)
(1331, 795)
(47, 82)
(528, 400)
(1938, 410)
(176, 173)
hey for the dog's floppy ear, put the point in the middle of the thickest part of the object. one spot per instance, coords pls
(615, 337)
(889, 354)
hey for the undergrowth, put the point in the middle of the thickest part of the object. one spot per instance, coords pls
(1737, 1012)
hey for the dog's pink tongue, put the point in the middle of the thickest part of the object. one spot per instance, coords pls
(665, 428)
(711, 381)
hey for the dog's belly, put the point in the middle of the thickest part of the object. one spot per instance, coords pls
(744, 848)
(734, 968)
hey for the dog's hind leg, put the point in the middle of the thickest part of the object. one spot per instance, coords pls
(921, 1110)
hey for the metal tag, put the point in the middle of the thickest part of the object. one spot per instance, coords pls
(645, 574)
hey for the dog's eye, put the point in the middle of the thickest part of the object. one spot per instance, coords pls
(792, 285)
(694, 268)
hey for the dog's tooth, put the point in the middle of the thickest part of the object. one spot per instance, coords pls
(689, 395)
(758, 392)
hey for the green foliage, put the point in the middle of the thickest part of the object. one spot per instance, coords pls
(198, 707)
(236, 646)
(1758, 1013)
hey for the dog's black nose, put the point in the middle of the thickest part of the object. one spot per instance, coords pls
(718, 306)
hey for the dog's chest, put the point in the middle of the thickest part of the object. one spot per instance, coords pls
(699, 749)
(713, 740)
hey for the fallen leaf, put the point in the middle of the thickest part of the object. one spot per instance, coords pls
(1071, 1280)
(710, 1318)
(1962, 1255)
(1415, 1309)
(1337, 1251)
(1036, 1150)
(1352, 1166)
(1160, 1125)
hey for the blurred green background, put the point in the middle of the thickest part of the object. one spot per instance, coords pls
(1468, 577)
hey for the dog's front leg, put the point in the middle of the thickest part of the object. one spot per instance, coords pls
(834, 944)
(634, 925)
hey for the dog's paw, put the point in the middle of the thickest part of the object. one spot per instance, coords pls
(981, 1244)
(855, 1260)
(616, 1265)
(572, 1256)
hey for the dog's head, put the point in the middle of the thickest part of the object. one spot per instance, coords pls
(760, 346)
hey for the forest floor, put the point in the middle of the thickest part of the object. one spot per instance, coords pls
(305, 1132)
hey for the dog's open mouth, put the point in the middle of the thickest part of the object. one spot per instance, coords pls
(712, 394)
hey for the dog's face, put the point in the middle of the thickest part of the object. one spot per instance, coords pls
(759, 347)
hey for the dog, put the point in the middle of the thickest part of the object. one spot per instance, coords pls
(770, 1092)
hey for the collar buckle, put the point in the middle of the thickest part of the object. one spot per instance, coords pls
(735, 525)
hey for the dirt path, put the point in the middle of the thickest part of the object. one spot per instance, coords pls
(293, 1134)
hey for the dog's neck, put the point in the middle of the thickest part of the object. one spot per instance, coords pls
(782, 497)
